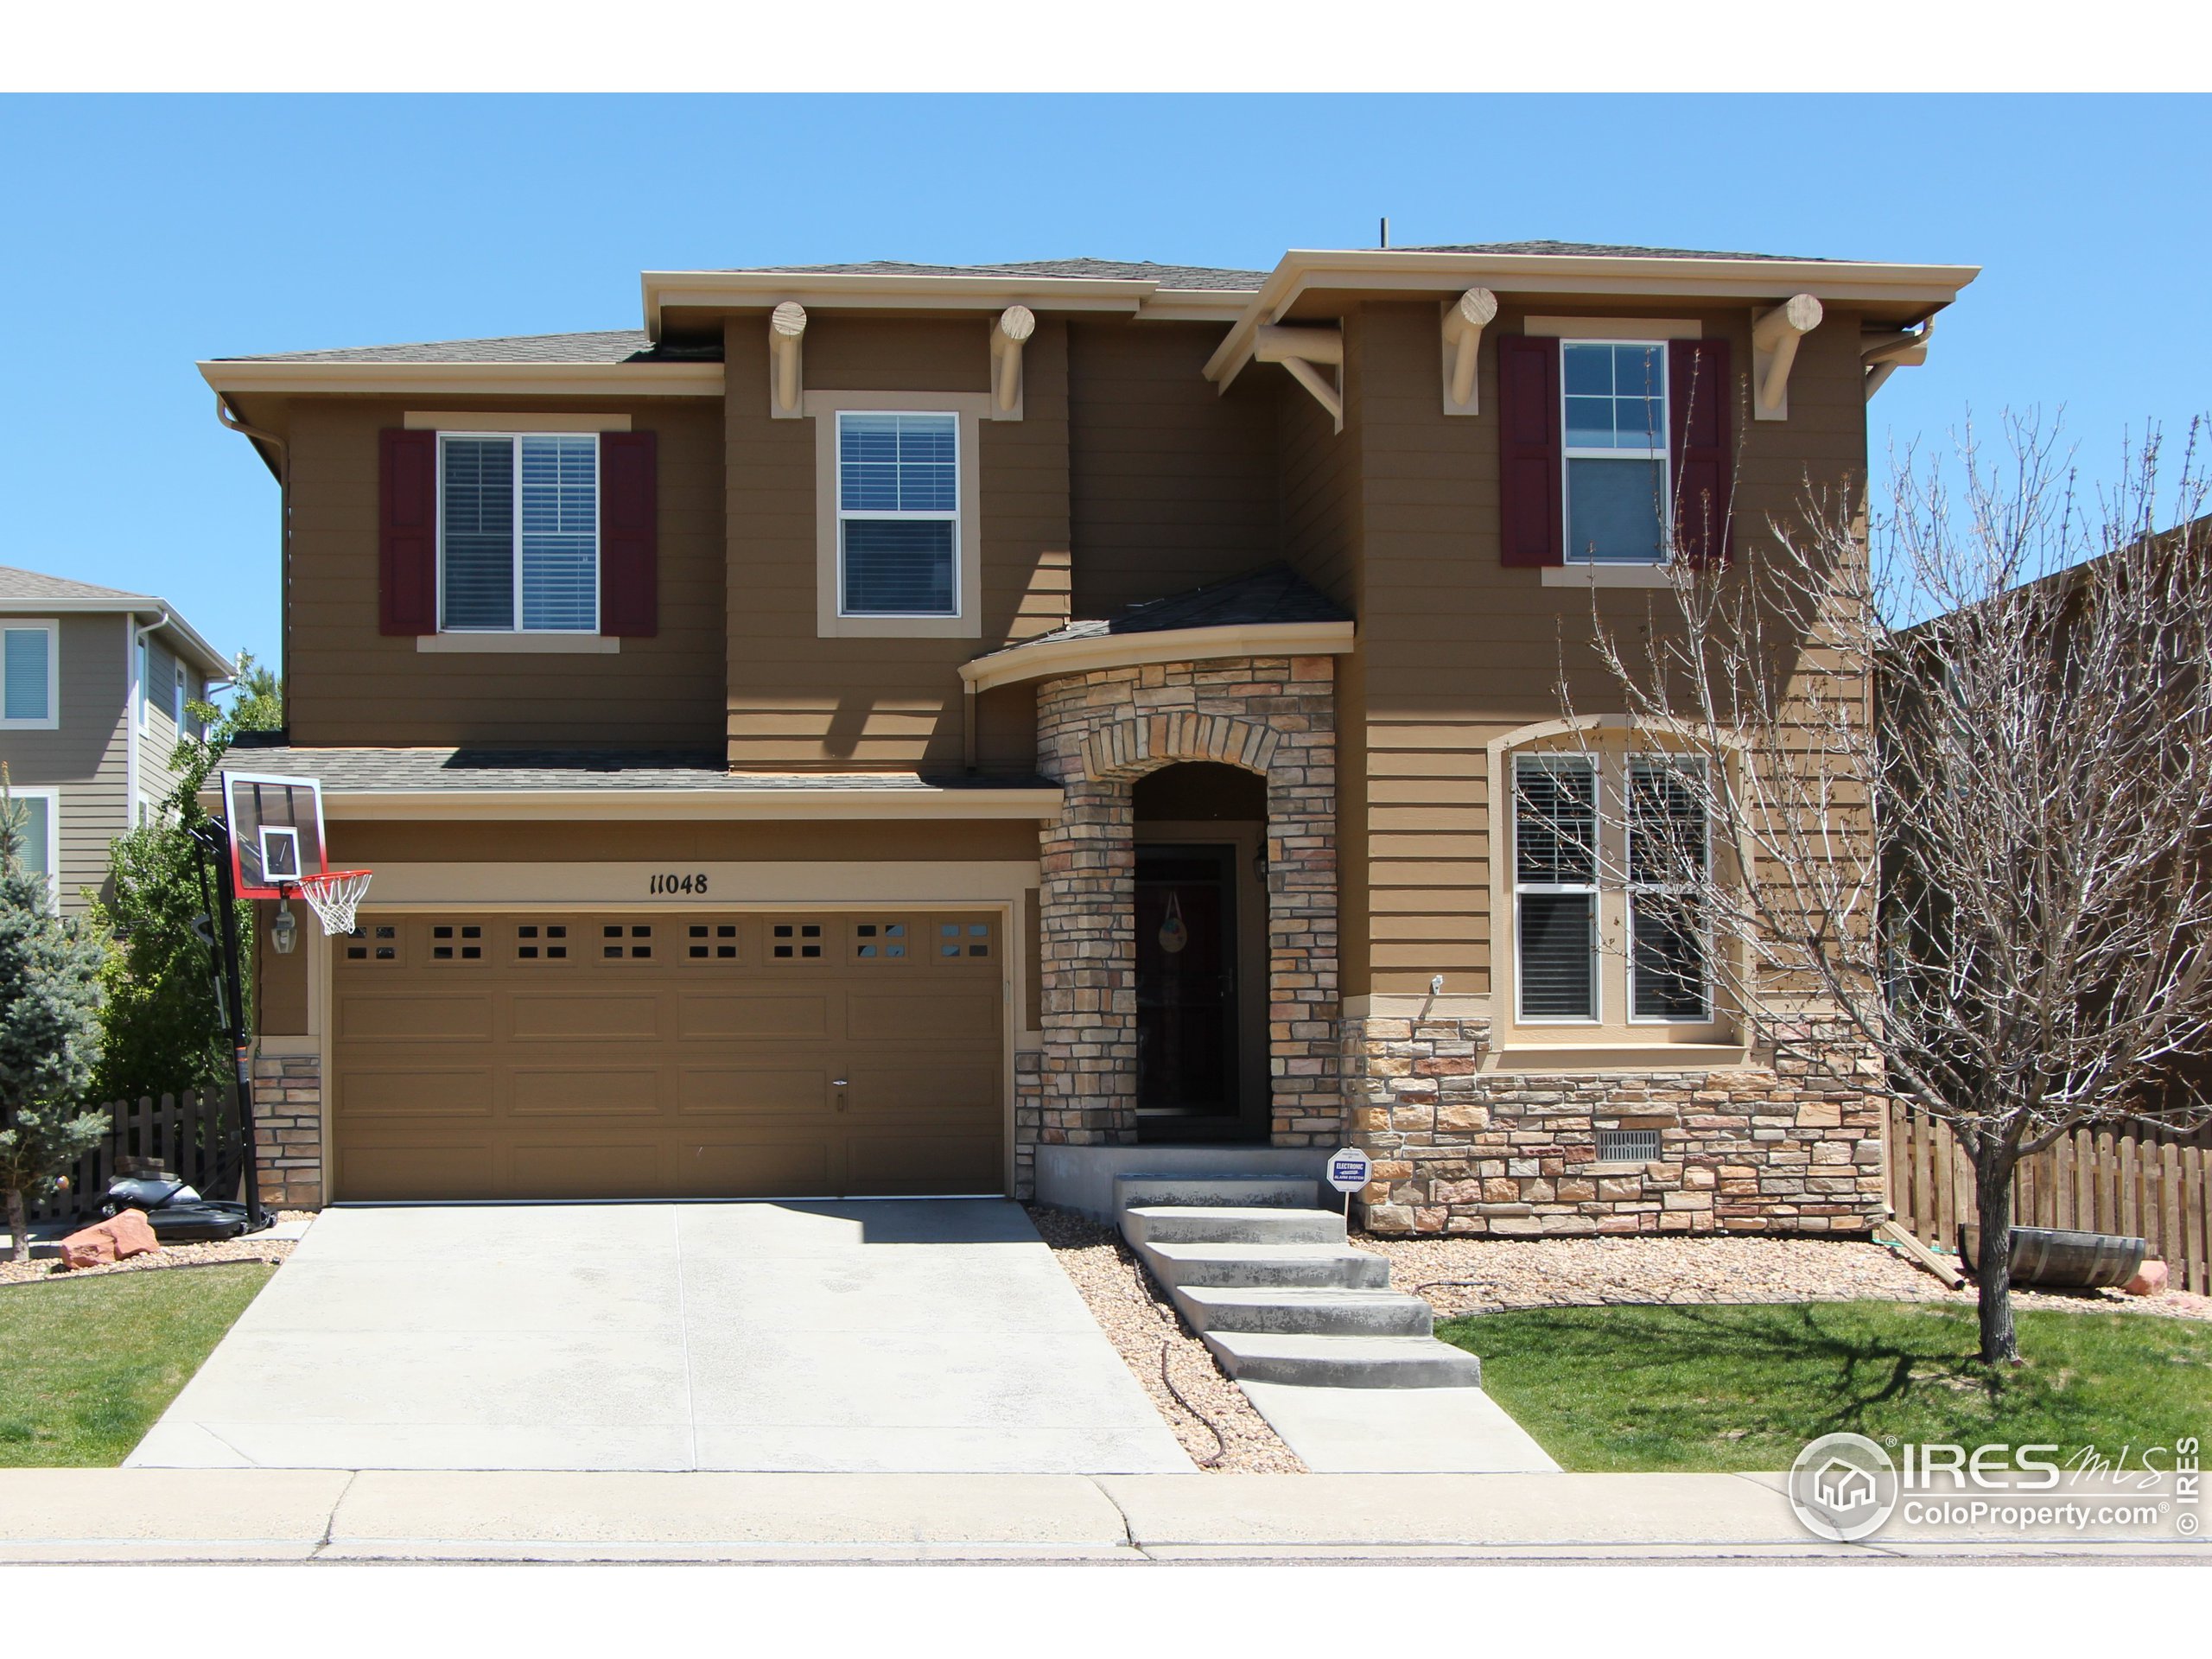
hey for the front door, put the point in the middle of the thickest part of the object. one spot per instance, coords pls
(1187, 1082)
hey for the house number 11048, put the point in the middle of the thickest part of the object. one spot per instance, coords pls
(671, 882)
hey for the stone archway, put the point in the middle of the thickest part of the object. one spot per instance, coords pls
(1098, 733)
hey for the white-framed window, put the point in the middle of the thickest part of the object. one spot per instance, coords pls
(1555, 822)
(176, 707)
(1613, 432)
(30, 675)
(1669, 851)
(35, 818)
(146, 682)
(518, 532)
(1610, 845)
(898, 513)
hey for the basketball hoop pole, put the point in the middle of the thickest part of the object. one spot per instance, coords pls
(215, 837)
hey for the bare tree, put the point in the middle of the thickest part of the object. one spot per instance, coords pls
(1946, 809)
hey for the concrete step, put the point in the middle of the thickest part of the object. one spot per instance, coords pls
(1287, 1311)
(1272, 1192)
(1175, 1265)
(1344, 1362)
(1215, 1223)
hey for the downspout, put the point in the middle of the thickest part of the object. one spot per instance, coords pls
(229, 417)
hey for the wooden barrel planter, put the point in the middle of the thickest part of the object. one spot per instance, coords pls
(2057, 1255)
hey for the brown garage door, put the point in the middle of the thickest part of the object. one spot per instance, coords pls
(689, 1055)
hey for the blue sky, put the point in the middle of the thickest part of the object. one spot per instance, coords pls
(143, 233)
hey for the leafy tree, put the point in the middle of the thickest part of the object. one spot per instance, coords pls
(49, 1032)
(163, 1033)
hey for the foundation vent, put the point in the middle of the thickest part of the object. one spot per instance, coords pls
(1628, 1145)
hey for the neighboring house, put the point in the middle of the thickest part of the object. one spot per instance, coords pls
(903, 728)
(96, 684)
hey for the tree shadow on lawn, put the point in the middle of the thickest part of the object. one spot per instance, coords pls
(1662, 1385)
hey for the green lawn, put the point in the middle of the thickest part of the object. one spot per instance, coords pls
(86, 1365)
(1744, 1387)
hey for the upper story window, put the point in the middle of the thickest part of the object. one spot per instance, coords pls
(1613, 399)
(146, 682)
(518, 532)
(898, 513)
(30, 665)
(1567, 833)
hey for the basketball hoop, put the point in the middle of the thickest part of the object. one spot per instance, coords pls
(333, 896)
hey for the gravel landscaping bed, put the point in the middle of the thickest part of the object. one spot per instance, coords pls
(1223, 1433)
(1596, 1272)
(253, 1247)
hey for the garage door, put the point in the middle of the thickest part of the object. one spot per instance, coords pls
(565, 1056)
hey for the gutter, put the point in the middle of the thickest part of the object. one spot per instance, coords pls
(219, 667)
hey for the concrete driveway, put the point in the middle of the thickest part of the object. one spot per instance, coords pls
(932, 1335)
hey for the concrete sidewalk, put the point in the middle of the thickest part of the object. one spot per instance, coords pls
(300, 1514)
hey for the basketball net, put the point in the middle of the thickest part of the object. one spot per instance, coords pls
(333, 896)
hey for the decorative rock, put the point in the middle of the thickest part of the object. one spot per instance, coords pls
(2149, 1278)
(121, 1235)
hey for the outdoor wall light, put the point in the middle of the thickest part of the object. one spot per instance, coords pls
(283, 932)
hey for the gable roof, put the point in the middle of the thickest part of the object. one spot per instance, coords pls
(29, 592)
(15, 583)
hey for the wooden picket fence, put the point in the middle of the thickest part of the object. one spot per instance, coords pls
(181, 1133)
(2136, 1183)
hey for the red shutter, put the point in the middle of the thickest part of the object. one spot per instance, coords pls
(407, 528)
(1699, 392)
(1531, 516)
(629, 535)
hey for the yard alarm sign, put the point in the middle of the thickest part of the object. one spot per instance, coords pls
(1349, 1169)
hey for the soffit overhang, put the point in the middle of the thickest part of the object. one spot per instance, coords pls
(1297, 287)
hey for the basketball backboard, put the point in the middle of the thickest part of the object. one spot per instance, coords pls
(276, 827)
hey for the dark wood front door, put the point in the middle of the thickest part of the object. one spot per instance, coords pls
(1187, 1083)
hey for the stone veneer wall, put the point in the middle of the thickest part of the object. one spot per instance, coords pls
(1096, 734)
(1780, 1146)
(288, 1130)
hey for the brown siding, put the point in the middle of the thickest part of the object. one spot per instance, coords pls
(1456, 650)
(1172, 485)
(280, 983)
(796, 701)
(87, 756)
(348, 684)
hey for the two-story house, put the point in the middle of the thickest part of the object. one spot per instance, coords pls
(96, 686)
(909, 729)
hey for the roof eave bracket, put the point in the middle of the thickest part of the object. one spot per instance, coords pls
(1298, 348)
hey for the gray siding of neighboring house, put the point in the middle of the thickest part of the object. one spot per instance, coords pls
(157, 741)
(87, 756)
